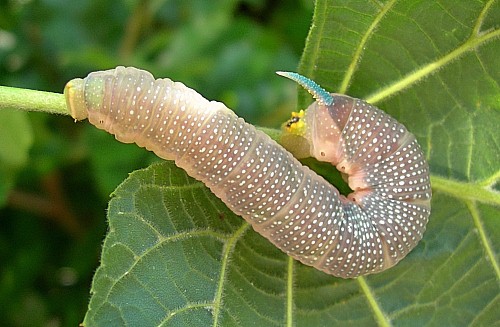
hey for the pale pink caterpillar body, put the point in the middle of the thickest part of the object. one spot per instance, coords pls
(296, 209)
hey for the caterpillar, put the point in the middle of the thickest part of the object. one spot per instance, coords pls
(368, 231)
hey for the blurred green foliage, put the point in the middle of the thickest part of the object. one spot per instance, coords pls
(56, 176)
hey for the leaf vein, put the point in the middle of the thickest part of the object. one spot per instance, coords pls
(380, 316)
(351, 69)
(289, 292)
(485, 242)
(187, 307)
(480, 19)
(432, 67)
(228, 249)
(465, 191)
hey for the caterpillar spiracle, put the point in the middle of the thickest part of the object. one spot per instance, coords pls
(301, 213)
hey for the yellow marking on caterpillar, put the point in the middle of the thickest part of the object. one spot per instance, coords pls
(295, 125)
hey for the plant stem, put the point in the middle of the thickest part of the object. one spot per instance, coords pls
(31, 100)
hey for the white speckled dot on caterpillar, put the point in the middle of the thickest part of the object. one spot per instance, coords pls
(296, 209)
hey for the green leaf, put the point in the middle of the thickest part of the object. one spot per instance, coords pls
(176, 256)
(16, 139)
(16, 136)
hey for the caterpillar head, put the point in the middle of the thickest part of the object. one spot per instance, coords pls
(315, 132)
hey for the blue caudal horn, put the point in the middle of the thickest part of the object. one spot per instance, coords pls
(319, 93)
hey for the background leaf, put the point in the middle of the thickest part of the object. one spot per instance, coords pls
(175, 255)
(14, 148)
(52, 223)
